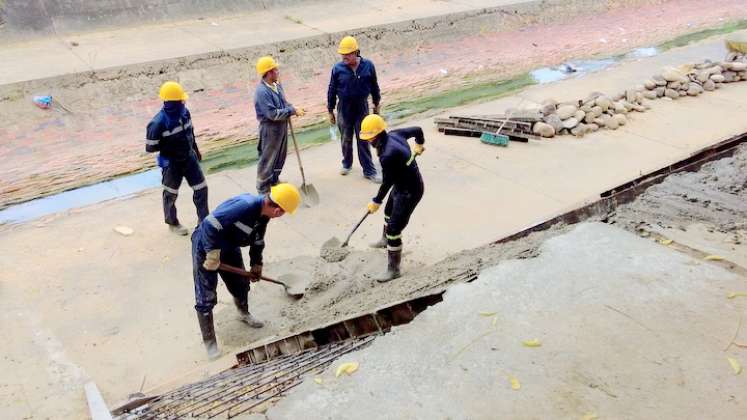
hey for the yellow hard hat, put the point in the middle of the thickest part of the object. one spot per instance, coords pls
(371, 126)
(265, 64)
(348, 45)
(286, 196)
(172, 91)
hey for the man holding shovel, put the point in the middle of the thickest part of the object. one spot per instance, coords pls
(273, 113)
(239, 221)
(402, 176)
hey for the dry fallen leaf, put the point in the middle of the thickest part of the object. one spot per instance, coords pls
(732, 295)
(346, 368)
(531, 343)
(515, 385)
(735, 365)
(714, 258)
(488, 313)
(666, 241)
(318, 381)
(590, 416)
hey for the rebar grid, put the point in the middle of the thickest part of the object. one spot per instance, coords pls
(239, 390)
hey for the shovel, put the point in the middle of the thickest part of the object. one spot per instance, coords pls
(308, 192)
(332, 251)
(289, 290)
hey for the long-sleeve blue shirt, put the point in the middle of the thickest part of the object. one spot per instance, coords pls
(398, 161)
(177, 143)
(353, 87)
(271, 106)
(236, 222)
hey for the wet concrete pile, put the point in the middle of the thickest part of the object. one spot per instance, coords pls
(599, 111)
(715, 196)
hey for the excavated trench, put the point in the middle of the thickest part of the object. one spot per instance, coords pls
(709, 187)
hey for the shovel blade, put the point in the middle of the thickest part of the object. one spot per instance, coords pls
(310, 195)
(295, 285)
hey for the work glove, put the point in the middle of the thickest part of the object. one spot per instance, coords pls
(332, 119)
(373, 207)
(212, 260)
(300, 112)
(418, 149)
(377, 109)
(255, 272)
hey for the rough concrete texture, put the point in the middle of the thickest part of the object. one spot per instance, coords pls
(628, 330)
(49, 151)
(716, 195)
(704, 210)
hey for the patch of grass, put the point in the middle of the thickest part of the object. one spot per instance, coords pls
(687, 39)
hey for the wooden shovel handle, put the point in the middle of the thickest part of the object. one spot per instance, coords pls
(244, 273)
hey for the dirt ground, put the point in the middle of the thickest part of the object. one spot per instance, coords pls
(45, 152)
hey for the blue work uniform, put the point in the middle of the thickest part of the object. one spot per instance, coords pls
(349, 90)
(273, 112)
(170, 133)
(236, 223)
(402, 176)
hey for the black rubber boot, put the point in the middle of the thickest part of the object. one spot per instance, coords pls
(245, 315)
(392, 270)
(381, 243)
(208, 334)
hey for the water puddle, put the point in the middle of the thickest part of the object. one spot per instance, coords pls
(578, 68)
(79, 197)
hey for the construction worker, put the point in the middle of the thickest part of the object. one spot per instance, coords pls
(273, 113)
(171, 134)
(353, 80)
(402, 176)
(237, 222)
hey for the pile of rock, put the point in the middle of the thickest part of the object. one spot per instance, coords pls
(599, 111)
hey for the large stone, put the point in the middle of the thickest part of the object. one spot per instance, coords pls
(671, 93)
(543, 129)
(659, 80)
(649, 84)
(570, 123)
(694, 89)
(566, 111)
(674, 85)
(640, 108)
(630, 95)
(671, 75)
(718, 78)
(660, 91)
(549, 106)
(555, 121)
(579, 115)
(593, 127)
(620, 119)
(709, 85)
(586, 107)
(620, 108)
(589, 117)
(650, 94)
(603, 102)
(612, 124)
(597, 110)
(702, 76)
(579, 130)
(736, 66)
(729, 76)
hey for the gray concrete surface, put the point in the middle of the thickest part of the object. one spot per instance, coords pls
(629, 330)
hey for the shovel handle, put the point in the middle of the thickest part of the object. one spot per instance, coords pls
(244, 273)
(354, 229)
(298, 154)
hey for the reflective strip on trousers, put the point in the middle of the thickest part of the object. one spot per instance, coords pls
(244, 228)
(214, 222)
(200, 186)
(394, 237)
(171, 190)
(394, 248)
(152, 142)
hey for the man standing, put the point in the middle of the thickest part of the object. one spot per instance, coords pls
(170, 132)
(273, 112)
(402, 175)
(353, 80)
(239, 221)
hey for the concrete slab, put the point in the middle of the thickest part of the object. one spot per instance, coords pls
(620, 338)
